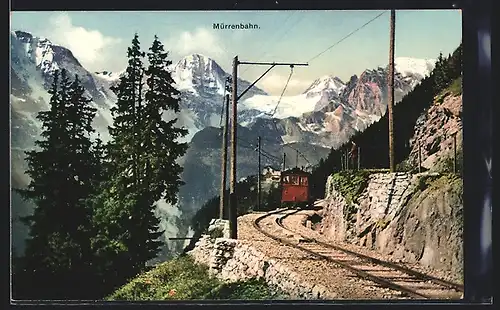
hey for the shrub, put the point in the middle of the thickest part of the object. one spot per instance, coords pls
(351, 183)
(183, 279)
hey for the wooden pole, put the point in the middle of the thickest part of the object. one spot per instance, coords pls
(390, 85)
(359, 158)
(233, 208)
(346, 160)
(341, 160)
(419, 157)
(224, 161)
(258, 177)
(455, 153)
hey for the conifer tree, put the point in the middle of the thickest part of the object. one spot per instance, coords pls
(120, 199)
(456, 62)
(441, 79)
(141, 152)
(43, 172)
(161, 136)
(58, 248)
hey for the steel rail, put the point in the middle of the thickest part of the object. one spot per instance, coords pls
(416, 274)
(360, 273)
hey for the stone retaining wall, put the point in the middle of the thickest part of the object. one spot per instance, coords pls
(398, 214)
(230, 260)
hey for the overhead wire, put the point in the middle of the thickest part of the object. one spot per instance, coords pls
(313, 58)
(269, 154)
(282, 93)
(291, 72)
(348, 35)
(302, 155)
(265, 51)
(293, 148)
(252, 148)
(255, 148)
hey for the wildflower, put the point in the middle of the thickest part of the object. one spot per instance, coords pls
(147, 281)
(172, 292)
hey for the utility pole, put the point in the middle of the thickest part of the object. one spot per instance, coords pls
(346, 155)
(419, 157)
(284, 159)
(390, 103)
(359, 158)
(455, 152)
(258, 177)
(233, 217)
(224, 160)
(297, 159)
(342, 160)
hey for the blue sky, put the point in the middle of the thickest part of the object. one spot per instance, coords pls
(99, 39)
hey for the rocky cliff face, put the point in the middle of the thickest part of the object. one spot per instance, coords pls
(435, 130)
(414, 218)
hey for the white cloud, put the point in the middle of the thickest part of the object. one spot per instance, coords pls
(94, 50)
(200, 41)
(274, 84)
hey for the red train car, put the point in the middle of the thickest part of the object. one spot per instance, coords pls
(295, 188)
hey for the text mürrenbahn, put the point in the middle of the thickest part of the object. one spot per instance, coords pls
(235, 26)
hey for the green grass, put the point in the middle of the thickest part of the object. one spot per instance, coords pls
(248, 290)
(351, 183)
(183, 279)
(454, 89)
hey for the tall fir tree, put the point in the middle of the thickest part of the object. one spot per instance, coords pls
(161, 136)
(441, 79)
(456, 62)
(58, 249)
(161, 145)
(85, 175)
(140, 165)
(115, 205)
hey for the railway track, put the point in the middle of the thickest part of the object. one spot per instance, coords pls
(409, 283)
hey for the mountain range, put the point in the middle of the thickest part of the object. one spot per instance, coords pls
(304, 126)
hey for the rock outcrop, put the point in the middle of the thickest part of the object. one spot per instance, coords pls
(435, 131)
(414, 218)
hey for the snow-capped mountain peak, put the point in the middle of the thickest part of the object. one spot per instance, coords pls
(412, 66)
(197, 72)
(327, 82)
(39, 50)
(327, 114)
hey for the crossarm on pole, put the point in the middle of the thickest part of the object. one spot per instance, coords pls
(251, 85)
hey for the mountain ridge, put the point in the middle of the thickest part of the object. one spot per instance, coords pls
(330, 115)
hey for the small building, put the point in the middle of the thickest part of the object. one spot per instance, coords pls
(269, 174)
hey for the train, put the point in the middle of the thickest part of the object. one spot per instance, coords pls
(295, 189)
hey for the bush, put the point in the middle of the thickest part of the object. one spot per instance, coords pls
(179, 278)
(455, 88)
(183, 279)
(351, 183)
(253, 289)
(425, 181)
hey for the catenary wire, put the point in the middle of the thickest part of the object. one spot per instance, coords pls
(347, 36)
